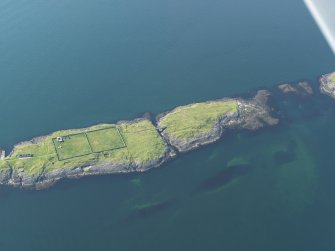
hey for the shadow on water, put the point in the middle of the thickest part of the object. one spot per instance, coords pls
(223, 178)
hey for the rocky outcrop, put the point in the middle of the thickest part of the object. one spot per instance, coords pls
(287, 88)
(5, 175)
(306, 88)
(327, 84)
(302, 88)
(254, 113)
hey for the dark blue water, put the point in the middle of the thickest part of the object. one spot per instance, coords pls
(67, 64)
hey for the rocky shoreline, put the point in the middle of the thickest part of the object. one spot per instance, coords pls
(47, 179)
(252, 114)
(327, 84)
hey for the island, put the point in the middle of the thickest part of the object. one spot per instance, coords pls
(140, 144)
(327, 84)
(130, 146)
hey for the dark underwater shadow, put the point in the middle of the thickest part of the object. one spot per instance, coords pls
(143, 212)
(285, 156)
(149, 210)
(222, 178)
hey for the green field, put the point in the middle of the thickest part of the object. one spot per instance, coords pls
(73, 146)
(332, 79)
(142, 144)
(193, 120)
(105, 139)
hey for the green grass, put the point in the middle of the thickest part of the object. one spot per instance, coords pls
(142, 140)
(190, 121)
(332, 80)
(105, 139)
(143, 143)
(3, 165)
(73, 146)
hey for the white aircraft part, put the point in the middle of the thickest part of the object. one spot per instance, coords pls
(323, 12)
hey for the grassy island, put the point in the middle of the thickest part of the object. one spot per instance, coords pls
(129, 146)
(124, 143)
(190, 121)
(332, 80)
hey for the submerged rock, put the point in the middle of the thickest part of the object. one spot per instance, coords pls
(287, 88)
(306, 87)
(297, 180)
(286, 155)
(283, 157)
(224, 177)
(153, 208)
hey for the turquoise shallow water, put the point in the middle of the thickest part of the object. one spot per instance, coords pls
(67, 64)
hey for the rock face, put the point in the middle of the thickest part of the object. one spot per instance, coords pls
(5, 175)
(327, 84)
(302, 88)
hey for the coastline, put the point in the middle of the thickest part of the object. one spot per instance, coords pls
(235, 114)
(252, 114)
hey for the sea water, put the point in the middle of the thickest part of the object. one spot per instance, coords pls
(68, 64)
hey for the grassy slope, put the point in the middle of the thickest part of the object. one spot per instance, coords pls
(143, 144)
(332, 80)
(142, 140)
(192, 120)
(106, 139)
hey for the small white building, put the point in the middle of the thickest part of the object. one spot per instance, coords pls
(60, 139)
